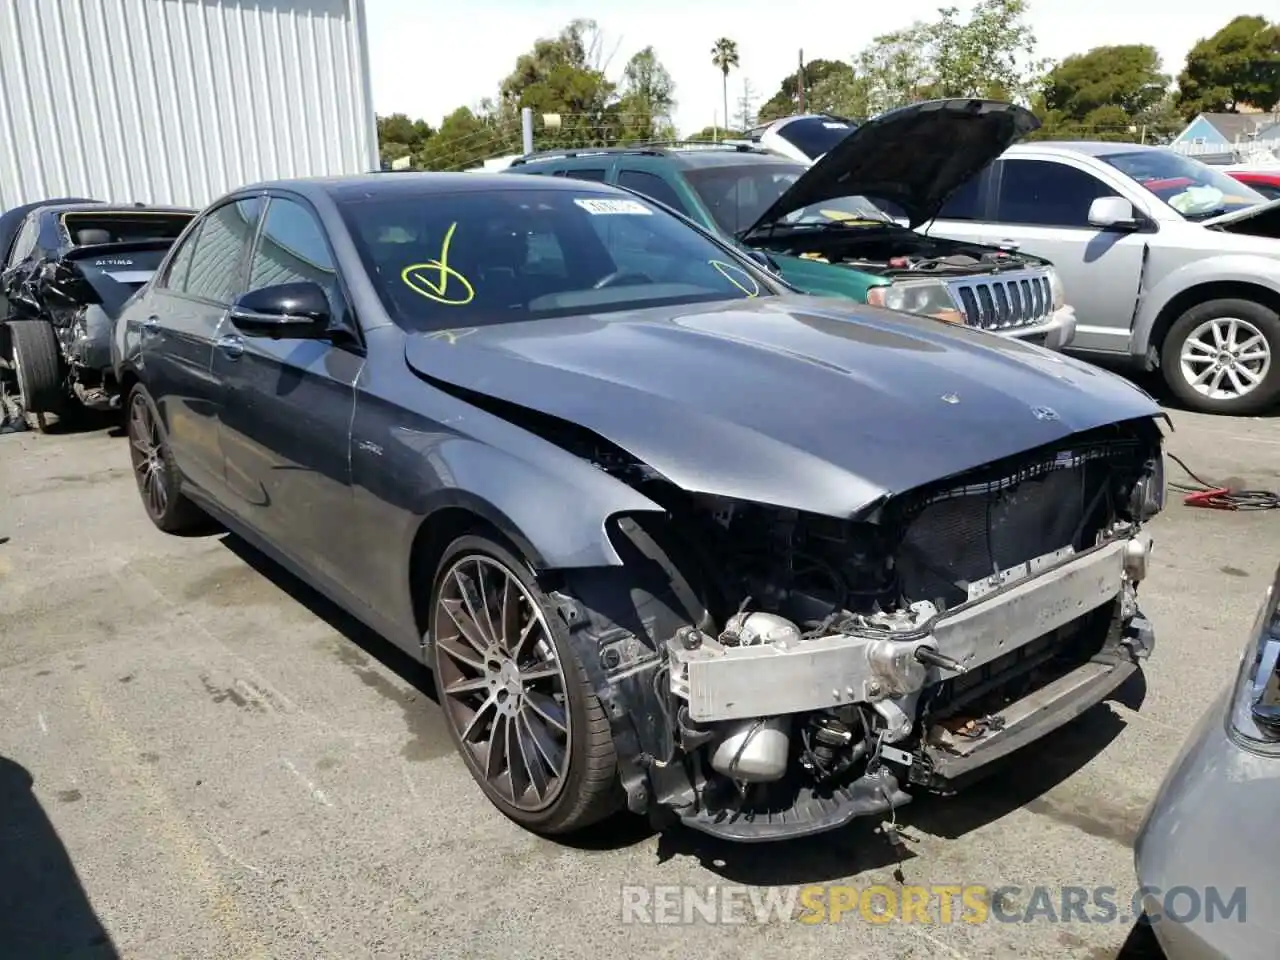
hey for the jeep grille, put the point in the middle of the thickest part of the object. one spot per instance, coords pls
(1004, 301)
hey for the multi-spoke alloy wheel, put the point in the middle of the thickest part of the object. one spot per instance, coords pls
(159, 482)
(1221, 357)
(503, 686)
(146, 447)
(1225, 358)
(519, 706)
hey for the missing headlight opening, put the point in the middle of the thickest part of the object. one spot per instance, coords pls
(770, 673)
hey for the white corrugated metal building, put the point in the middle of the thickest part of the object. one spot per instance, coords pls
(179, 101)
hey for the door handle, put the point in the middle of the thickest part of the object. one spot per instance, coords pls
(231, 345)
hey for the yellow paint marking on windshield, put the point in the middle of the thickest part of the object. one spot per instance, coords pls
(728, 271)
(438, 289)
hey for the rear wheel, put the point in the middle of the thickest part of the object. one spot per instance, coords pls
(37, 368)
(519, 707)
(159, 481)
(1223, 356)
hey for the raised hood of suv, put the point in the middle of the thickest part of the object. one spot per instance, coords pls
(916, 156)
(1260, 220)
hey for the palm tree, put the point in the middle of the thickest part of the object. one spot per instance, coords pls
(724, 55)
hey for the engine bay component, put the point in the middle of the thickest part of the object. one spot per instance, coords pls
(754, 751)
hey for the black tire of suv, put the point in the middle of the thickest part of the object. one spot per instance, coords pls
(1263, 396)
(591, 791)
(37, 364)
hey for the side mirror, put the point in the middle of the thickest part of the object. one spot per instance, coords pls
(286, 310)
(1112, 213)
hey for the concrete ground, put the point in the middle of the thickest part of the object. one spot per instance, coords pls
(201, 758)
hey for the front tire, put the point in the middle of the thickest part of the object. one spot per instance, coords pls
(517, 703)
(1223, 356)
(158, 477)
(37, 366)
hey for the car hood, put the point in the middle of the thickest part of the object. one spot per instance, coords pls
(916, 156)
(797, 402)
(1262, 219)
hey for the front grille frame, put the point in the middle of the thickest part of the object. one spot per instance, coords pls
(1009, 300)
(1113, 463)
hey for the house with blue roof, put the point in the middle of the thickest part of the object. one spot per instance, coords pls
(1224, 136)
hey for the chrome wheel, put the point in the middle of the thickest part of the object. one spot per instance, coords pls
(501, 682)
(147, 452)
(1225, 358)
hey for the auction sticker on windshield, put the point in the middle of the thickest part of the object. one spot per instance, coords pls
(599, 207)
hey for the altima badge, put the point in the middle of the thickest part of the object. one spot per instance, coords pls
(1044, 413)
(950, 398)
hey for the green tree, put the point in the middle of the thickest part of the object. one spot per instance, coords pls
(714, 133)
(786, 101)
(989, 53)
(841, 94)
(1128, 77)
(896, 68)
(724, 57)
(1237, 66)
(1101, 94)
(465, 139)
(398, 136)
(647, 96)
(564, 76)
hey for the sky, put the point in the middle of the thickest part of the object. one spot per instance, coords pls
(430, 57)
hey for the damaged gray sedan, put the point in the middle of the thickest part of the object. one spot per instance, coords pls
(671, 536)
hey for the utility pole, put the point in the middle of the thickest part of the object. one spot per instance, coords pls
(800, 80)
(746, 106)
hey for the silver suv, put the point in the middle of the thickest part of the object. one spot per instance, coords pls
(1168, 262)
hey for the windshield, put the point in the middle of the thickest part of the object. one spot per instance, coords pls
(122, 226)
(461, 259)
(737, 196)
(1195, 190)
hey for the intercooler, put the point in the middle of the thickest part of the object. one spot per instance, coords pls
(970, 532)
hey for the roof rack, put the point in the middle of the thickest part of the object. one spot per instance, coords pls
(655, 148)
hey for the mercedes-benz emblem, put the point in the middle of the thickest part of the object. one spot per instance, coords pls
(1044, 413)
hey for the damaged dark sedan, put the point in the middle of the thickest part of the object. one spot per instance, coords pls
(67, 267)
(671, 536)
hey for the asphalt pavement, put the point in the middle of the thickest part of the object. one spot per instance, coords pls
(199, 757)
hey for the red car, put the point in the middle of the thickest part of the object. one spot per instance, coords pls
(1266, 182)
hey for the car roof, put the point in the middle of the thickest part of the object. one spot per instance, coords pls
(412, 183)
(1090, 148)
(682, 153)
(61, 208)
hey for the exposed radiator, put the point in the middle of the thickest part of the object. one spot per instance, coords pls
(967, 533)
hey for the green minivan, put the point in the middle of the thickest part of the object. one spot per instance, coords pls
(844, 225)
